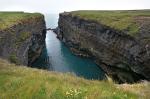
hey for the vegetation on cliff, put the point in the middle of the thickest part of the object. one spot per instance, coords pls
(8, 19)
(25, 83)
(121, 20)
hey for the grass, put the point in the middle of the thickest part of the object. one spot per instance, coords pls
(21, 38)
(13, 58)
(8, 19)
(18, 82)
(120, 20)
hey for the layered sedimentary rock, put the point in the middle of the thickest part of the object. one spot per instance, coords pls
(23, 40)
(124, 57)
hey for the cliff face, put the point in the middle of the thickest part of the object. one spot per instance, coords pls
(126, 58)
(22, 41)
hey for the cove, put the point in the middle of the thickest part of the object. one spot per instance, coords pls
(57, 57)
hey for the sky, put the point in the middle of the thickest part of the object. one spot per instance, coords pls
(57, 6)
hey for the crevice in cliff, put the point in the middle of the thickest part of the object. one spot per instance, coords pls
(36, 47)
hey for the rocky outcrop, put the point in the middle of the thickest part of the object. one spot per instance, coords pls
(23, 42)
(126, 58)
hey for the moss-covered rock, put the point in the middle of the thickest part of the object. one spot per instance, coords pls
(13, 58)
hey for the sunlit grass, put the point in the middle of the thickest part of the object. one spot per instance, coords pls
(18, 82)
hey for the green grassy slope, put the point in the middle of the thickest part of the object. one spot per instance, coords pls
(8, 19)
(121, 20)
(17, 82)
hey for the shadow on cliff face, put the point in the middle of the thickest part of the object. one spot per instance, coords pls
(43, 61)
(121, 76)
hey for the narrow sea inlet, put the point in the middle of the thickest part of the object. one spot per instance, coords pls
(57, 57)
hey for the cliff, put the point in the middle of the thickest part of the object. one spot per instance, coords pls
(119, 41)
(22, 36)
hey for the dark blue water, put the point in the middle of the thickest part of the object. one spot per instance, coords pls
(57, 57)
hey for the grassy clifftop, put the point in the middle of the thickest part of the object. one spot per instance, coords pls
(121, 20)
(8, 19)
(26, 83)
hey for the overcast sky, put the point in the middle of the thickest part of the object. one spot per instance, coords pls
(56, 6)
